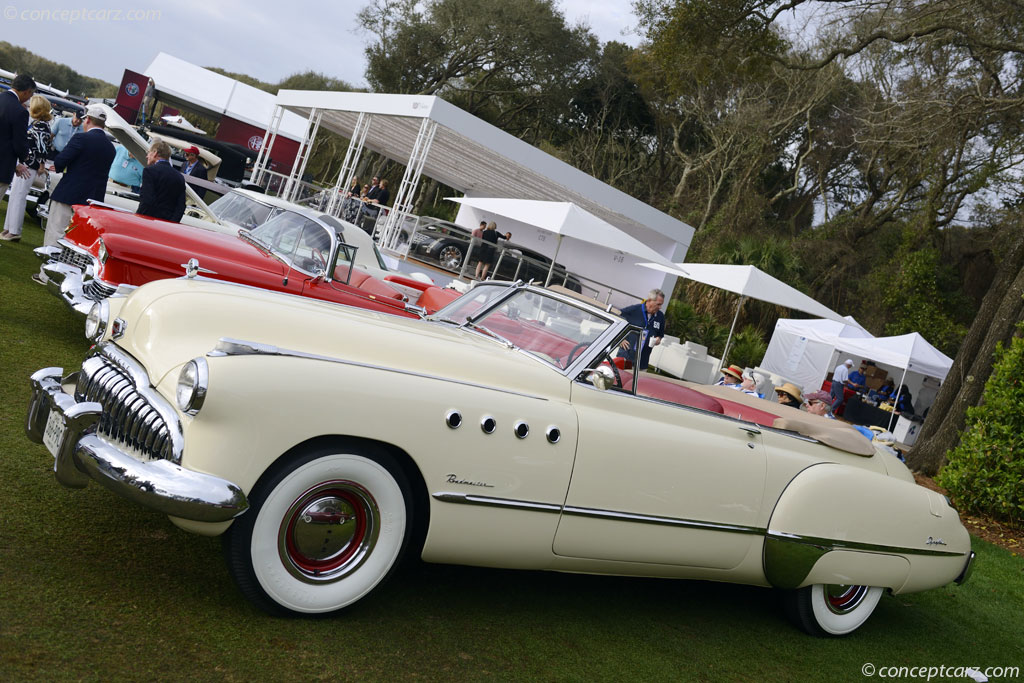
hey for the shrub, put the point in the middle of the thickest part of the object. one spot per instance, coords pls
(985, 470)
(747, 348)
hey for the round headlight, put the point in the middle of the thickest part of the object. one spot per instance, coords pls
(192, 383)
(102, 252)
(96, 321)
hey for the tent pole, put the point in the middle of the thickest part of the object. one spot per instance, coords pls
(739, 304)
(896, 401)
(551, 268)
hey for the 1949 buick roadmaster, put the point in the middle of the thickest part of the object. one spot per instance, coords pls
(324, 442)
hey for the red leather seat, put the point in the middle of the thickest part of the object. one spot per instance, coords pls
(372, 285)
(653, 387)
(435, 298)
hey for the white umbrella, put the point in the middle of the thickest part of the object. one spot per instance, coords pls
(180, 122)
(748, 281)
(565, 219)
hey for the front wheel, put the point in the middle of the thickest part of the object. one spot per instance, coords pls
(323, 530)
(832, 610)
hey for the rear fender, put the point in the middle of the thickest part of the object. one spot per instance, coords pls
(840, 524)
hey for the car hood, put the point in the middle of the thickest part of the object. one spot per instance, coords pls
(169, 322)
(164, 246)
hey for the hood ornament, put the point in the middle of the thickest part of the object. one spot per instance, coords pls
(192, 268)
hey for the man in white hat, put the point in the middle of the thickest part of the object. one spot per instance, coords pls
(85, 162)
(839, 377)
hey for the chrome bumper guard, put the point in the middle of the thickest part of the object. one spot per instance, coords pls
(66, 282)
(966, 573)
(157, 484)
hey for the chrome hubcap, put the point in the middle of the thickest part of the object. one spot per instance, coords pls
(844, 599)
(328, 531)
(450, 257)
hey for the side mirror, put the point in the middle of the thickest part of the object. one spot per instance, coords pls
(601, 377)
(320, 275)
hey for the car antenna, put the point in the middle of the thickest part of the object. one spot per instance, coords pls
(284, 283)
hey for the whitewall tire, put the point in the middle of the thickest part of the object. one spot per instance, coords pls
(833, 610)
(323, 530)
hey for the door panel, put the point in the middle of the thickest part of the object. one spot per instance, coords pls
(689, 482)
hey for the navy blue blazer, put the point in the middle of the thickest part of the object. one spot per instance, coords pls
(13, 134)
(85, 161)
(163, 192)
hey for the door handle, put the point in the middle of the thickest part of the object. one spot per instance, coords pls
(751, 430)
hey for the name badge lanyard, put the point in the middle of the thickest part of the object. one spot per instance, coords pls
(643, 336)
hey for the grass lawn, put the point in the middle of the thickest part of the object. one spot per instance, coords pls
(95, 588)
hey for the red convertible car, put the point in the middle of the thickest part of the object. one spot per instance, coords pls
(107, 251)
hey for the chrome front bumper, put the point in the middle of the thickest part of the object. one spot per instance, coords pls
(81, 455)
(69, 282)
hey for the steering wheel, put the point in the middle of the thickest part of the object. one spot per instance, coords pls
(578, 347)
(615, 370)
(319, 256)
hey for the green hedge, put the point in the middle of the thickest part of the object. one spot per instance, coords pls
(985, 472)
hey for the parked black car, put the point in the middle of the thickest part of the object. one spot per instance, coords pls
(446, 244)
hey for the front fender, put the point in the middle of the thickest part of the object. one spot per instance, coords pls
(837, 524)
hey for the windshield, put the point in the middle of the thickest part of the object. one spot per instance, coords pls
(545, 326)
(302, 242)
(241, 210)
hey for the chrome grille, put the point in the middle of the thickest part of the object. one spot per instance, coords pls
(96, 290)
(134, 416)
(74, 258)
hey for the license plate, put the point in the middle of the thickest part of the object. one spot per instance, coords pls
(54, 433)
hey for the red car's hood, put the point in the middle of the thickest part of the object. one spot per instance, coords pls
(160, 246)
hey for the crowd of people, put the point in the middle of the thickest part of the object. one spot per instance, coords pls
(32, 140)
(363, 202)
(788, 394)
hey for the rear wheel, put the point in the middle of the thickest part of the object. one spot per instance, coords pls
(832, 610)
(323, 530)
(450, 257)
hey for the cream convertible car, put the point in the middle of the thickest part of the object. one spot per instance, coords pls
(324, 442)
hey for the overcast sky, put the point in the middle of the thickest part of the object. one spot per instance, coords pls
(265, 39)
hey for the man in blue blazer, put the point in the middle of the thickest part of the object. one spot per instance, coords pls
(85, 162)
(193, 165)
(163, 188)
(14, 129)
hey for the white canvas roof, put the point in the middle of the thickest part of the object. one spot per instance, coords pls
(911, 352)
(823, 330)
(754, 283)
(566, 220)
(192, 87)
(481, 160)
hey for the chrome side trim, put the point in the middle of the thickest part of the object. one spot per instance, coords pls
(834, 544)
(237, 347)
(664, 521)
(488, 501)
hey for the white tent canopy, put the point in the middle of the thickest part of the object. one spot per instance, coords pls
(748, 281)
(802, 351)
(908, 351)
(565, 219)
(805, 353)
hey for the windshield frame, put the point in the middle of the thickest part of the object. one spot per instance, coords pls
(478, 318)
